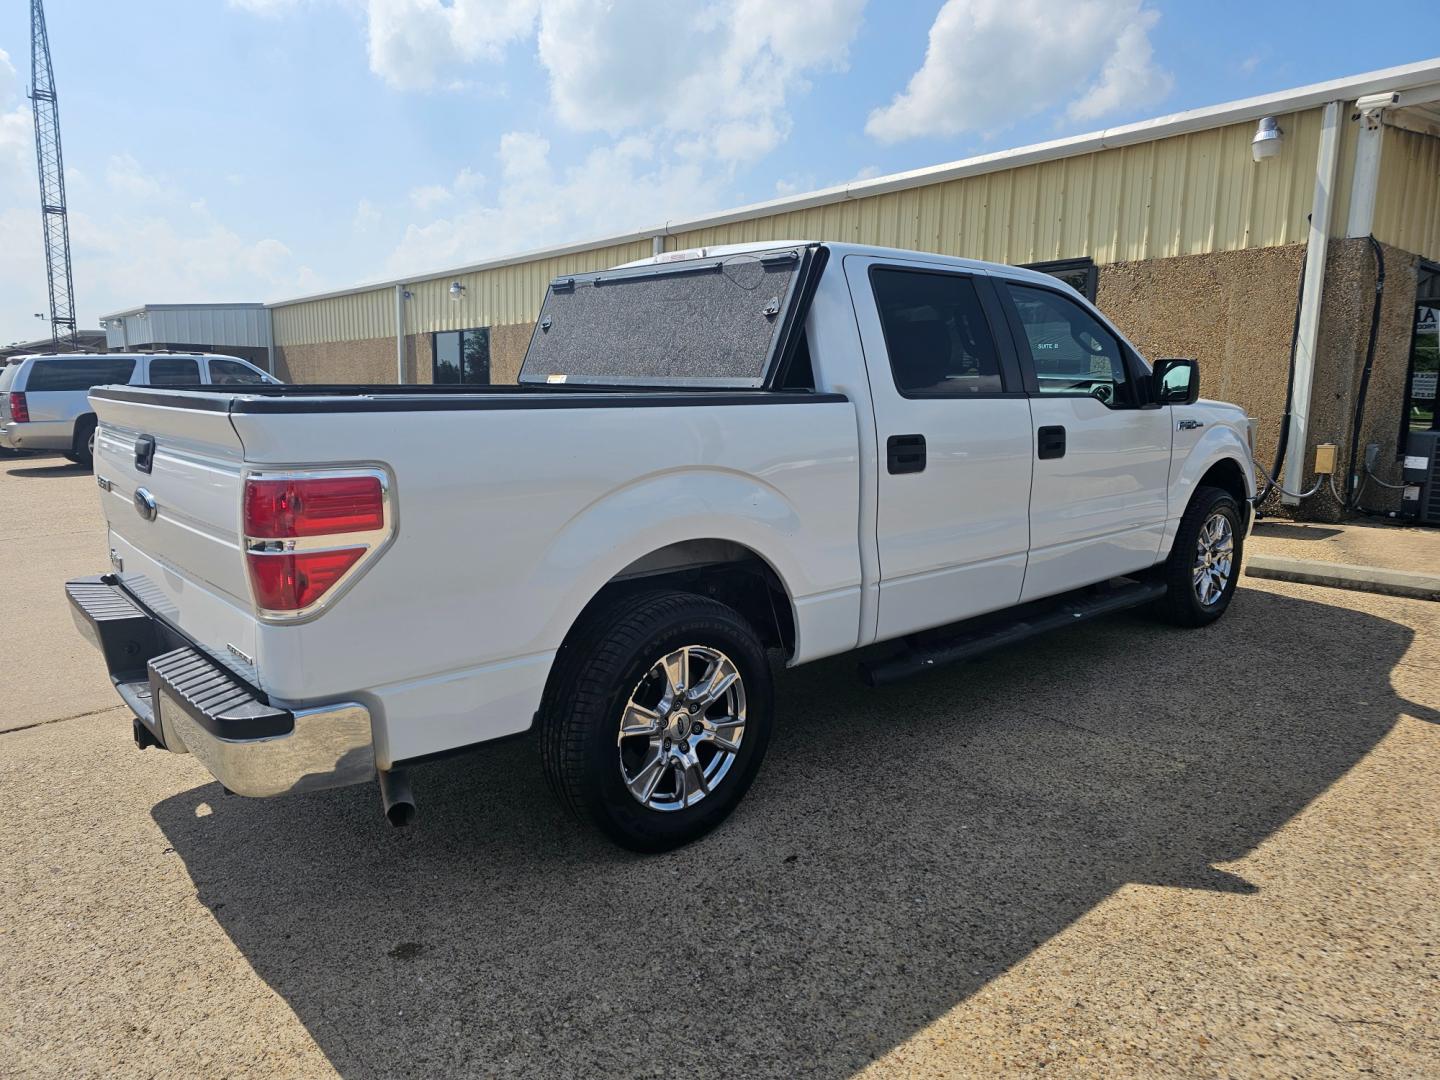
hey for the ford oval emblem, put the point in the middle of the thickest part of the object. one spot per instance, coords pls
(145, 504)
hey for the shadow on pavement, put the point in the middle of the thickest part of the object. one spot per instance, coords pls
(1284, 530)
(899, 849)
(57, 467)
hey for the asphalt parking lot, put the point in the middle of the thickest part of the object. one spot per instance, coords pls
(1126, 850)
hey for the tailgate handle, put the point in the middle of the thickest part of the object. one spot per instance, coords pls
(145, 453)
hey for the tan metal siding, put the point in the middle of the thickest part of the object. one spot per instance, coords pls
(352, 317)
(508, 294)
(1407, 204)
(1186, 195)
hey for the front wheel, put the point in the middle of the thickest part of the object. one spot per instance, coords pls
(657, 717)
(1204, 564)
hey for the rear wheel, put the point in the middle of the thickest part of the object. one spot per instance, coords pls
(1204, 564)
(83, 452)
(657, 717)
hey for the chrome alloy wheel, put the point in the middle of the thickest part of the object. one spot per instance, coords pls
(682, 727)
(1214, 553)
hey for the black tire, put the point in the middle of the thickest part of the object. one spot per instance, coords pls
(81, 452)
(1182, 604)
(607, 659)
(72, 457)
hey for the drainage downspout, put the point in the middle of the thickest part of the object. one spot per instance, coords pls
(400, 334)
(1326, 162)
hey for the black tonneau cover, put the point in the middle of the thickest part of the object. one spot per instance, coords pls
(724, 321)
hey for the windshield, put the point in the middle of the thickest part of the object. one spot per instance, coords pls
(701, 322)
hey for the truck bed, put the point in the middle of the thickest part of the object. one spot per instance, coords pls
(512, 507)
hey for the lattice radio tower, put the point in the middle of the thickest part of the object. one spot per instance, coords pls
(52, 180)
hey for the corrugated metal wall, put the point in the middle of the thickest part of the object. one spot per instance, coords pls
(1407, 208)
(352, 317)
(213, 326)
(509, 294)
(1184, 195)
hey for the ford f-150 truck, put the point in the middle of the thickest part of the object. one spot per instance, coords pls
(712, 458)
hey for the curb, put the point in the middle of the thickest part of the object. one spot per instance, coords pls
(1342, 576)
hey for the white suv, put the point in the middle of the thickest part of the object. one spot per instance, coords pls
(45, 399)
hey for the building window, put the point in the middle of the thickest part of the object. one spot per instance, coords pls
(1080, 274)
(462, 356)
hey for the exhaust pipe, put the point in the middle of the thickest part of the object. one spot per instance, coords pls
(399, 800)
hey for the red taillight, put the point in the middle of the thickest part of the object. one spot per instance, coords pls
(19, 407)
(287, 520)
(295, 581)
(313, 506)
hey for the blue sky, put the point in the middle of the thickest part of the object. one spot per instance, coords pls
(259, 149)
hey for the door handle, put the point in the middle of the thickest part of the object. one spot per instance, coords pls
(1050, 442)
(905, 453)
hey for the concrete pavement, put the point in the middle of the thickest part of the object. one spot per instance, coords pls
(1123, 850)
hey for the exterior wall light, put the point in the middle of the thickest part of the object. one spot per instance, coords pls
(1268, 136)
(456, 290)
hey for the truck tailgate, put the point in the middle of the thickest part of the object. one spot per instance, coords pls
(174, 527)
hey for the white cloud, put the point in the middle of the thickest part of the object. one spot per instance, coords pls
(1129, 76)
(429, 196)
(719, 75)
(367, 216)
(624, 185)
(992, 62)
(714, 75)
(414, 42)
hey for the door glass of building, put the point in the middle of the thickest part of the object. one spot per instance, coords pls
(462, 356)
(1425, 354)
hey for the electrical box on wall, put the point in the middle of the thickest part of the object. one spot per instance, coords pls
(1324, 459)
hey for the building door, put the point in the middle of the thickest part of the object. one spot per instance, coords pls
(1102, 459)
(1420, 398)
(953, 427)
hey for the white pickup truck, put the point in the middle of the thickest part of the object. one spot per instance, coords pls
(787, 449)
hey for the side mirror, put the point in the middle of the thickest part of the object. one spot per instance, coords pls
(1176, 382)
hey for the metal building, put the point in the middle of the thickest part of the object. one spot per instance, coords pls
(241, 330)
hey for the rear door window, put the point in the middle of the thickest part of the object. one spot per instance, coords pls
(936, 333)
(234, 373)
(79, 373)
(174, 371)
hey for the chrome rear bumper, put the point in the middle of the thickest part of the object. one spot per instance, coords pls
(188, 703)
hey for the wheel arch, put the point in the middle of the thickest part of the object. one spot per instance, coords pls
(728, 570)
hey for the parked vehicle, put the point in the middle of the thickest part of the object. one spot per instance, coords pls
(802, 448)
(44, 398)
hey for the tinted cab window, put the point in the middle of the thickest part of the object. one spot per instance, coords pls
(174, 371)
(1072, 352)
(936, 334)
(79, 373)
(234, 373)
